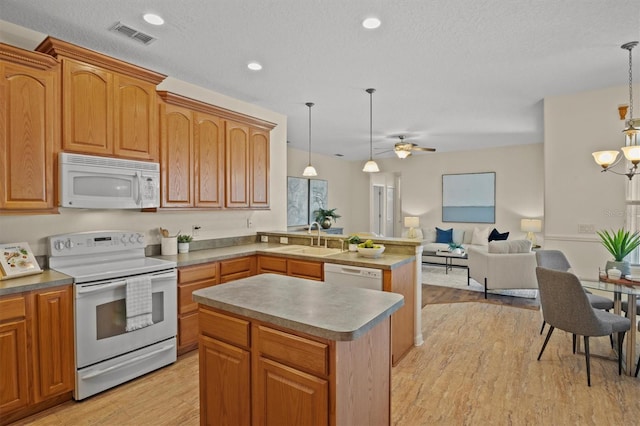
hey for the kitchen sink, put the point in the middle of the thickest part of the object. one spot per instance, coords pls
(305, 250)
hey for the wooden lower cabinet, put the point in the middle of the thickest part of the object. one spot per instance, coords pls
(256, 373)
(402, 281)
(240, 267)
(36, 351)
(190, 279)
(309, 269)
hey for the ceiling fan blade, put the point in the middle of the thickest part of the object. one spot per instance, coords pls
(419, 148)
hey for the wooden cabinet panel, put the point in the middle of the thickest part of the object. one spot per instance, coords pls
(135, 119)
(272, 265)
(190, 279)
(259, 169)
(87, 102)
(296, 351)
(237, 165)
(225, 327)
(29, 132)
(14, 381)
(402, 281)
(209, 160)
(53, 342)
(289, 396)
(176, 159)
(240, 267)
(305, 269)
(227, 400)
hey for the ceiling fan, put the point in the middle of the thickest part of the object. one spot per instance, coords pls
(403, 149)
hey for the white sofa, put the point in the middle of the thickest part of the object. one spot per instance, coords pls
(463, 237)
(504, 265)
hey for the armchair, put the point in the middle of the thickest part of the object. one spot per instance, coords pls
(505, 265)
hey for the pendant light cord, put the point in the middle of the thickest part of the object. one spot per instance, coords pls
(370, 91)
(631, 85)
(309, 104)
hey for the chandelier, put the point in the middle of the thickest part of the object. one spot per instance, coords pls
(631, 150)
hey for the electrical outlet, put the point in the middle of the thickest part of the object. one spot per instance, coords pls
(284, 240)
(195, 230)
(264, 238)
(249, 223)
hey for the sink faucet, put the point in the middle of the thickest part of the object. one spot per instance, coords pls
(318, 227)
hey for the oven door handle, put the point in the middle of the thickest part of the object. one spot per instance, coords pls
(127, 362)
(102, 287)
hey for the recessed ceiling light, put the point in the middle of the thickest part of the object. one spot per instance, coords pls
(254, 66)
(153, 19)
(371, 23)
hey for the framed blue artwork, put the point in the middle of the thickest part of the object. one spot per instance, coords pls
(469, 198)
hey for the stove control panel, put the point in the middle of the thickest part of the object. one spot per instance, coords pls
(95, 242)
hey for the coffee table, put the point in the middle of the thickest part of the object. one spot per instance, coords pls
(448, 261)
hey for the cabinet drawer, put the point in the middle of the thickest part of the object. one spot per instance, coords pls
(12, 307)
(293, 350)
(207, 271)
(306, 269)
(235, 266)
(268, 264)
(224, 327)
(185, 299)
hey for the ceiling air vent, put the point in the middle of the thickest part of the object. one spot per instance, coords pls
(132, 33)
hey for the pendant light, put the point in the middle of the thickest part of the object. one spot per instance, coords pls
(371, 166)
(608, 159)
(309, 170)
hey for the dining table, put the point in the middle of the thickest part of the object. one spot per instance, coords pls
(631, 290)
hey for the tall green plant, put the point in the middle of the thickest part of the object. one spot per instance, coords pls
(620, 243)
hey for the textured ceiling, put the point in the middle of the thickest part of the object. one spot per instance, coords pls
(449, 74)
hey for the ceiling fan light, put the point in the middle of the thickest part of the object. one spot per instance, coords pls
(309, 171)
(401, 153)
(371, 167)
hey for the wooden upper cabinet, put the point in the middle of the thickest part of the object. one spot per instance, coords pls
(176, 150)
(87, 99)
(109, 106)
(237, 165)
(209, 160)
(29, 130)
(259, 169)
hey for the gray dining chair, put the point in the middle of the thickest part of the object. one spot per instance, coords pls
(556, 260)
(638, 366)
(565, 306)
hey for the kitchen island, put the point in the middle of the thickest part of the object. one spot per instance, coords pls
(286, 350)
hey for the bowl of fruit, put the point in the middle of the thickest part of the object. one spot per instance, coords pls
(369, 249)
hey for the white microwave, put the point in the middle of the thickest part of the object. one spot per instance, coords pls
(88, 181)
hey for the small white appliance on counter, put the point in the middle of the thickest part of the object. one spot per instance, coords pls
(353, 276)
(103, 264)
(88, 181)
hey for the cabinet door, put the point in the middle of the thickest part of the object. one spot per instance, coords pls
(305, 269)
(14, 381)
(259, 182)
(237, 165)
(176, 150)
(52, 342)
(29, 138)
(286, 396)
(209, 160)
(228, 368)
(135, 119)
(87, 101)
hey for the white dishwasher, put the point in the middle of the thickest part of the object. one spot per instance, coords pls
(353, 276)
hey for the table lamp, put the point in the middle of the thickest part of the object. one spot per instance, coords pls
(412, 222)
(530, 226)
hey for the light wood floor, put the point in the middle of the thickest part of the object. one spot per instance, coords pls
(477, 367)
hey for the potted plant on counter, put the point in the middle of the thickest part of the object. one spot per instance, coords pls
(325, 216)
(183, 243)
(353, 242)
(619, 244)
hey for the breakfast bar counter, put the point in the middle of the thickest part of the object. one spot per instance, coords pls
(286, 350)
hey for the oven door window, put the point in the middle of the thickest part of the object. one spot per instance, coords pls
(112, 316)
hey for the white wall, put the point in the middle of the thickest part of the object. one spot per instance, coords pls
(35, 229)
(576, 192)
